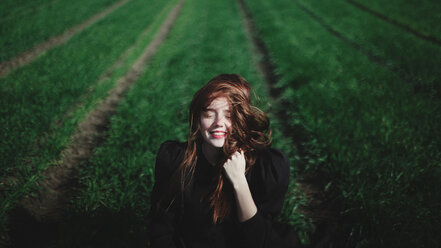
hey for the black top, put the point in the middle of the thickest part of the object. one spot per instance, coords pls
(268, 181)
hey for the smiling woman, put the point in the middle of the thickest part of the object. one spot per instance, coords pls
(215, 122)
(225, 185)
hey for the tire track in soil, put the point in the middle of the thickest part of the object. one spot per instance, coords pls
(59, 122)
(389, 20)
(27, 57)
(323, 207)
(103, 77)
(56, 190)
(396, 70)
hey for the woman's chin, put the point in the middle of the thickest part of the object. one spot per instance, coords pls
(217, 143)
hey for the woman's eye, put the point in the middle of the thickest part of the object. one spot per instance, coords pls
(208, 115)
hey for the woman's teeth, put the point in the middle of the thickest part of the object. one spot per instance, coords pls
(218, 134)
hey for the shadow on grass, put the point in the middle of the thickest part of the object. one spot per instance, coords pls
(103, 229)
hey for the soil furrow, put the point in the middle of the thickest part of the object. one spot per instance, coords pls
(104, 76)
(389, 20)
(28, 56)
(265, 65)
(108, 73)
(59, 122)
(56, 190)
(322, 206)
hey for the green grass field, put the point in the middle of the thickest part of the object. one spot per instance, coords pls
(423, 16)
(31, 22)
(396, 48)
(38, 122)
(359, 100)
(376, 129)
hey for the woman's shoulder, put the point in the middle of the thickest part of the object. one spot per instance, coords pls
(273, 158)
(271, 169)
(172, 146)
(170, 154)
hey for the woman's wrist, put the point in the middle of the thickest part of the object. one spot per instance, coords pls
(240, 184)
(246, 208)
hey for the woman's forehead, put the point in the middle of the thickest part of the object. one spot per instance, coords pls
(219, 103)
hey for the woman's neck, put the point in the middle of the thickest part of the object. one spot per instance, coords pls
(212, 154)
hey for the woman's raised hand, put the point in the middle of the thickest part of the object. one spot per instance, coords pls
(235, 168)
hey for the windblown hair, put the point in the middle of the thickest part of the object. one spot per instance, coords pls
(250, 131)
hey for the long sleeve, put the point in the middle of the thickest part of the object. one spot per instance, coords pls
(162, 229)
(268, 183)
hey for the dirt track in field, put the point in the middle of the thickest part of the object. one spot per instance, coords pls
(416, 33)
(322, 207)
(104, 76)
(56, 189)
(59, 122)
(28, 56)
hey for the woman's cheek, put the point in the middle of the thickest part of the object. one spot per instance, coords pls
(205, 124)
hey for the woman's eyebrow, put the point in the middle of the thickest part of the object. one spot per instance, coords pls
(211, 109)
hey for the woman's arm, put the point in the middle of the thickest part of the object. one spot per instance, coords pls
(161, 223)
(261, 199)
(246, 208)
(235, 170)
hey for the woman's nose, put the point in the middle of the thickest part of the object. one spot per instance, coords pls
(221, 121)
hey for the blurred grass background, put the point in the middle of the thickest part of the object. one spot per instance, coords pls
(364, 93)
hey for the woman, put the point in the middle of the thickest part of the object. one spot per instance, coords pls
(224, 186)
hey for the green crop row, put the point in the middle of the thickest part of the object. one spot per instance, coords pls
(415, 59)
(21, 32)
(423, 16)
(381, 139)
(40, 110)
(204, 42)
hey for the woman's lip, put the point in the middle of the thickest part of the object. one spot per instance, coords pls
(212, 132)
(217, 136)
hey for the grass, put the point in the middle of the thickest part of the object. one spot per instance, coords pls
(28, 25)
(377, 133)
(422, 16)
(12, 8)
(37, 115)
(415, 59)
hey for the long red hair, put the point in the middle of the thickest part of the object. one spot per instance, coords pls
(250, 131)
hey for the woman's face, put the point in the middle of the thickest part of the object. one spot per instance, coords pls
(215, 122)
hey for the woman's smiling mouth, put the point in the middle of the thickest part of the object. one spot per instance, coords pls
(218, 134)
